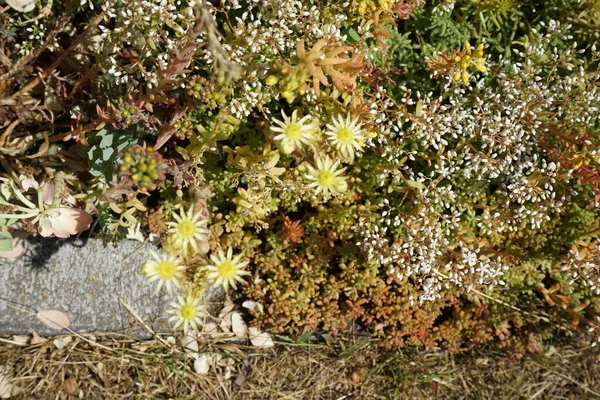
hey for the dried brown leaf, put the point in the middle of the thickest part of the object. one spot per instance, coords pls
(7, 389)
(54, 319)
(70, 386)
(20, 339)
(201, 365)
(37, 339)
(190, 345)
(61, 342)
(260, 339)
(238, 326)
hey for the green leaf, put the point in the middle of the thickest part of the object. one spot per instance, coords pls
(415, 184)
(305, 337)
(106, 141)
(103, 152)
(284, 338)
(7, 222)
(353, 36)
(6, 242)
(107, 154)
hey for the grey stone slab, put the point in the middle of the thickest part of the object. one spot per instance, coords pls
(84, 279)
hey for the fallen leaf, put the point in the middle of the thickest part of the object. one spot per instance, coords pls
(22, 5)
(5, 385)
(70, 386)
(228, 373)
(61, 342)
(253, 306)
(260, 339)
(16, 390)
(225, 323)
(238, 326)
(201, 365)
(227, 308)
(99, 369)
(171, 340)
(190, 345)
(20, 339)
(54, 319)
(210, 328)
(37, 339)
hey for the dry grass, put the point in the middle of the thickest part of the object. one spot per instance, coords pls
(111, 368)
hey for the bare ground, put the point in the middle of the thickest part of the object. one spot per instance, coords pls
(113, 367)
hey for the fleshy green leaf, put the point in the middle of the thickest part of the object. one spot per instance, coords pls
(6, 240)
(353, 36)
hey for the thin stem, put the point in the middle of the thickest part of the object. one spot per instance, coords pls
(21, 197)
(19, 216)
(19, 208)
(40, 199)
(59, 60)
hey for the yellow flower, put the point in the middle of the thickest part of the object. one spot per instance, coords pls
(165, 269)
(372, 5)
(346, 136)
(326, 177)
(226, 269)
(186, 231)
(294, 132)
(469, 59)
(187, 312)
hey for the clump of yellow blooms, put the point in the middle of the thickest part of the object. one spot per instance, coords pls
(469, 59)
(373, 5)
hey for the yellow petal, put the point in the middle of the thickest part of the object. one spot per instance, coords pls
(478, 51)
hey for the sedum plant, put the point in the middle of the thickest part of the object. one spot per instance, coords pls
(426, 172)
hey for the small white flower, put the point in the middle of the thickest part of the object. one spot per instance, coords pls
(165, 269)
(187, 312)
(226, 269)
(294, 132)
(326, 177)
(187, 229)
(346, 136)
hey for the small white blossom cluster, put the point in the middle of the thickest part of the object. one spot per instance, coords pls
(36, 36)
(583, 266)
(424, 252)
(265, 31)
(149, 29)
(482, 141)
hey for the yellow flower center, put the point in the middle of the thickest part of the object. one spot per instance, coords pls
(227, 270)
(166, 270)
(188, 312)
(293, 131)
(345, 135)
(186, 229)
(326, 179)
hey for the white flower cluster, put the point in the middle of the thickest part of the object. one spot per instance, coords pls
(424, 252)
(264, 31)
(479, 139)
(149, 29)
(37, 34)
(583, 266)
